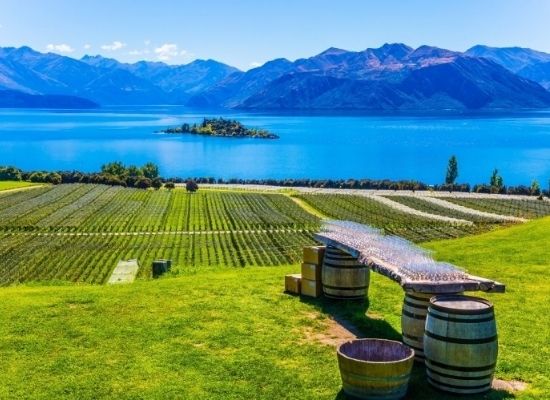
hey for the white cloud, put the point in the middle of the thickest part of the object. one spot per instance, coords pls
(138, 52)
(87, 46)
(116, 45)
(147, 42)
(60, 48)
(168, 51)
(255, 64)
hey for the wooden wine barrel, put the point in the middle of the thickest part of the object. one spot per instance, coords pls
(413, 319)
(375, 368)
(343, 276)
(460, 344)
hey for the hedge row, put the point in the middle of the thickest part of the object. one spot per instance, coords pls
(13, 173)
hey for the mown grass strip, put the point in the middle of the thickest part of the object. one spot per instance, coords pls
(13, 185)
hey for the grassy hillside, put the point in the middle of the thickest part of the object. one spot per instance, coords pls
(233, 334)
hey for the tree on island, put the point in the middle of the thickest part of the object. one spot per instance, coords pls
(222, 127)
(452, 171)
(191, 186)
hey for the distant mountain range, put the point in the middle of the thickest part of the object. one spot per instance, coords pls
(106, 81)
(17, 99)
(390, 78)
(530, 64)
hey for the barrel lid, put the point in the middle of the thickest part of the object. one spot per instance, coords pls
(459, 304)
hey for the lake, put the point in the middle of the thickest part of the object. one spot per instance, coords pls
(312, 146)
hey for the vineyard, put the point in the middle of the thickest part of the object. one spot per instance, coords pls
(368, 211)
(517, 208)
(79, 232)
(99, 208)
(429, 207)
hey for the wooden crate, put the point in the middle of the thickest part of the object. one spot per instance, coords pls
(314, 255)
(293, 283)
(311, 288)
(311, 272)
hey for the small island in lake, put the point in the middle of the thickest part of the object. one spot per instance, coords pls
(222, 127)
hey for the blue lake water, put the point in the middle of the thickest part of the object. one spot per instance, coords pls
(312, 146)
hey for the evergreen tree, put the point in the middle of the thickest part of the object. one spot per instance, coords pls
(496, 181)
(535, 188)
(452, 171)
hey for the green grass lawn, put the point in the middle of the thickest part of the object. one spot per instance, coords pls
(233, 334)
(6, 185)
(227, 334)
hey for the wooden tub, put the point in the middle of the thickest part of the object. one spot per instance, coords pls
(375, 368)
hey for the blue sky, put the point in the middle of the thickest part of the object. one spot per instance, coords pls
(245, 33)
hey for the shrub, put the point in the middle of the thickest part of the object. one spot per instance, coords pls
(143, 183)
(37, 177)
(191, 186)
(521, 189)
(114, 181)
(482, 189)
(53, 178)
(71, 176)
(131, 180)
(10, 174)
(156, 183)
